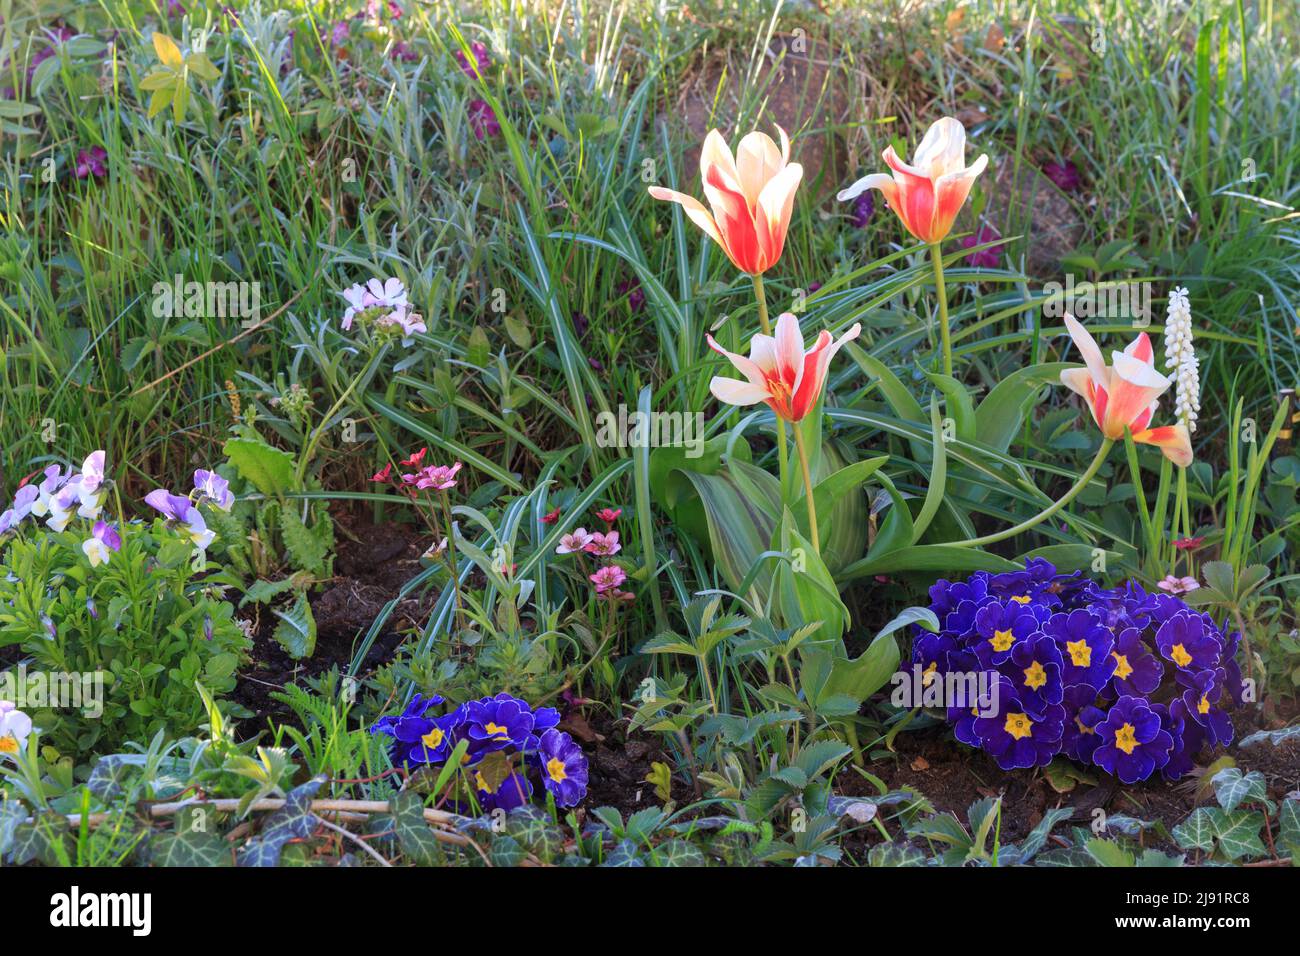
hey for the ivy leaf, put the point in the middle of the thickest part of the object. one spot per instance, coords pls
(414, 835)
(1196, 832)
(1108, 852)
(188, 847)
(1231, 787)
(296, 632)
(293, 821)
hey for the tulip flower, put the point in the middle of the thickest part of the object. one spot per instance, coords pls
(1124, 394)
(787, 379)
(926, 195)
(751, 195)
(779, 372)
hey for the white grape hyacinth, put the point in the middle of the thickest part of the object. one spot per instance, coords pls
(1180, 355)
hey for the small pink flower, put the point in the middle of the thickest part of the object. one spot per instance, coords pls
(385, 476)
(1178, 585)
(1189, 544)
(482, 119)
(92, 162)
(403, 51)
(415, 459)
(437, 477)
(608, 578)
(603, 544)
(609, 515)
(481, 60)
(551, 516)
(575, 542)
(985, 258)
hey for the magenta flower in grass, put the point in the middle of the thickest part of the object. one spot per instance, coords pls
(482, 119)
(92, 162)
(339, 33)
(174, 9)
(603, 544)
(403, 51)
(476, 68)
(213, 488)
(864, 207)
(985, 258)
(1185, 640)
(575, 541)
(435, 477)
(1065, 175)
(102, 544)
(564, 767)
(1133, 744)
(609, 578)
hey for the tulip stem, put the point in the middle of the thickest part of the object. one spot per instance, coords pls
(1050, 510)
(808, 488)
(945, 334)
(764, 323)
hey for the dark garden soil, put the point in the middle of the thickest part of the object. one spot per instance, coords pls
(952, 777)
(372, 564)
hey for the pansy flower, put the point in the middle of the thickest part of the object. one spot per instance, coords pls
(1137, 670)
(1000, 625)
(103, 543)
(564, 767)
(1185, 640)
(1133, 743)
(181, 513)
(15, 727)
(1204, 689)
(1086, 646)
(212, 488)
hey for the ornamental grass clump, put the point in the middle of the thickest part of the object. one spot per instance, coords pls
(503, 746)
(1129, 681)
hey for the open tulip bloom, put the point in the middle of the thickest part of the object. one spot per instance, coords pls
(789, 380)
(926, 195)
(1125, 393)
(751, 195)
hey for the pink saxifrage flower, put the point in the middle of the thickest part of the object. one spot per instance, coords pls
(609, 578)
(575, 541)
(603, 544)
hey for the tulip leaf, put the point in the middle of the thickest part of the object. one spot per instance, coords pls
(896, 394)
(957, 403)
(1002, 412)
(928, 557)
(739, 522)
(804, 589)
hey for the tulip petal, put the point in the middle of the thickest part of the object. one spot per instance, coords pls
(816, 364)
(1172, 440)
(882, 181)
(1088, 351)
(716, 155)
(1140, 349)
(775, 206)
(693, 208)
(950, 191)
(789, 350)
(943, 148)
(747, 367)
(915, 206)
(733, 391)
(735, 221)
(757, 162)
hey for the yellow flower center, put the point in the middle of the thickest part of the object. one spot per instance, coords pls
(433, 738)
(1018, 726)
(496, 730)
(482, 784)
(1126, 738)
(8, 744)
(1080, 653)
(1180, 655)
(1083, 728)
(1021, 598)
(1204, 705)
(555, 769)
(929, 673)
(1001, 640)
(1035, 676)
(1122, 667)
